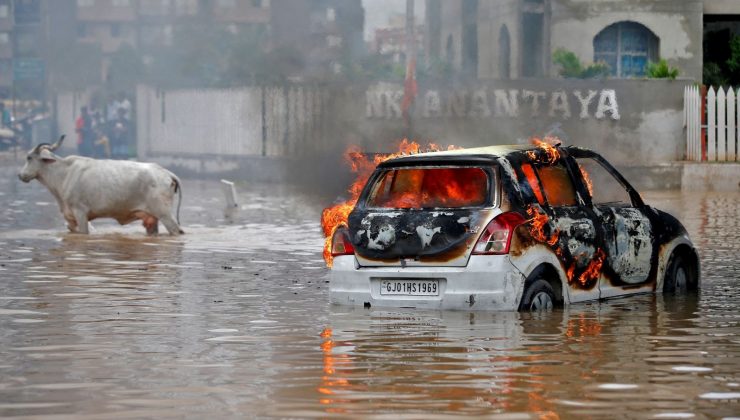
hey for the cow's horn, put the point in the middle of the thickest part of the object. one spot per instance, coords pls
(38, 147)
(56, 145)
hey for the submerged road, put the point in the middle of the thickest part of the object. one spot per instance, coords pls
(232, 320)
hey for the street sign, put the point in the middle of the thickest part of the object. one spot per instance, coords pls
(28, 69)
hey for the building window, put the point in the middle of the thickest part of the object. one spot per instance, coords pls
(4, 11)
(449, 50)
(26, 43)
(504, 53)
(186, 7)
(434, 17)
(470, 38)
(533, 40)
(226, 4)
(27, 11)
(85, 3)
(154, 7)
(626, 47)
(115, 30)
(5, 67)
(4, 38)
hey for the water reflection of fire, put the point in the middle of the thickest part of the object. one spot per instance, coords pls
(363, 166)
(328, 381)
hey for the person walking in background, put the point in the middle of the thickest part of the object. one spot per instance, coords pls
(6, 120)
(125, 104)
(119, 102)
(101, 142)
(85, 134)
(119, 134)
(7, 135)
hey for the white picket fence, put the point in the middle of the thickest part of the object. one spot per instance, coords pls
(712, 124)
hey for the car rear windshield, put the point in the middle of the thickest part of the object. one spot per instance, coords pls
(429, 187)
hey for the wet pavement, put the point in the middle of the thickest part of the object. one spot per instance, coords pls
(232, 320)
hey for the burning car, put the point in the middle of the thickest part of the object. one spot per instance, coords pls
(522, 227)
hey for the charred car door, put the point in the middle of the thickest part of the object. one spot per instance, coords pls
(560, 220)
(625, 225)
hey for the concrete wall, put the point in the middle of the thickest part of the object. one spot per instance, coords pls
(250, 121)
(633, 122)
(721, 7)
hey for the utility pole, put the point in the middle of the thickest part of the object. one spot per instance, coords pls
(409, 86)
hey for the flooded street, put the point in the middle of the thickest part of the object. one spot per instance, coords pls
(232, 320)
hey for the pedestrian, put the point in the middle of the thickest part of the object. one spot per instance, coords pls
(101, 143)
(6, 120)
(120, 101)
(125, 104)
(85, 134)
(119, 134)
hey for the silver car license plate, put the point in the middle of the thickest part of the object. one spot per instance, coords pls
(410, 287)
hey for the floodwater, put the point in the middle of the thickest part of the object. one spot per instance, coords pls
(232, 320)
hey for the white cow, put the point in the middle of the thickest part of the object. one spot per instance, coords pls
(87, 189)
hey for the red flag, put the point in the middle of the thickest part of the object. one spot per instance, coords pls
(409, 87)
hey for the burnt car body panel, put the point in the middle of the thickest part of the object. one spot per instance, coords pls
(411, 236)
(596, 251)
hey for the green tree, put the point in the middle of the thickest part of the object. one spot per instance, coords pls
(733, 63)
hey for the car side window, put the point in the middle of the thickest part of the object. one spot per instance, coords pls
(529, 173)
(603, 187)
(557, 185)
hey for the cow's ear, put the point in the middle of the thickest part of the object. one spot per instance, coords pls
(47, 156)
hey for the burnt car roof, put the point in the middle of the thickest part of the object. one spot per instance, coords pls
(482, 155)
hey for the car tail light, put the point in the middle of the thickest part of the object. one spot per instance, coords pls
(496, 238)
(340, 243)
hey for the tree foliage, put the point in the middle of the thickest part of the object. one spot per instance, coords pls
(722, 67)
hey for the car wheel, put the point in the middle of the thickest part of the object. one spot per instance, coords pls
(677, 277)
(538, 297)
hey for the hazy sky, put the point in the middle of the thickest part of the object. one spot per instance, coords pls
(377, 13)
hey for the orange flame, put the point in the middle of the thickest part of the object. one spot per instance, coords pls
(571, 269)
(538, 221)
(361, 164)
(548, 153)
(587, 180)
(594, 268)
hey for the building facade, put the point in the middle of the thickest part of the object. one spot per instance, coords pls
(512, 39)
(326, 33)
